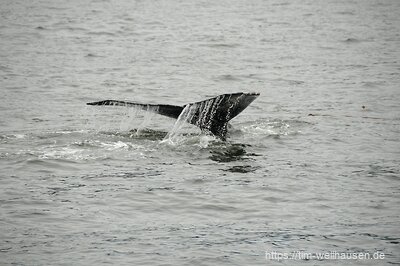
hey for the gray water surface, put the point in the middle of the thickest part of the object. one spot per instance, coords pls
(312, 165)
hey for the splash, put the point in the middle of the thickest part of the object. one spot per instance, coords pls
(201, 114)
(210, 116)
(174, 136)
(133, 114)
(122, 119)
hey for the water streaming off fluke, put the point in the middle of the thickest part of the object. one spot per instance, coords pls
(211, 115)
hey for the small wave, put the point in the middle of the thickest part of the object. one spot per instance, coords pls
(189, 139)
(67, 153)
(273, 128)
(38, 120)
(352, 40)
(145, 133)
(111, 146)
(281, 4)
(290, 81)
(244, 169)
(228, 152)
(228, 78)
(221, 45)
(101, 33)
(70, 28)
(347, 13)
(12, 136)
(45, 166)
(91, 55)
(107, 145)
(371, 84)
(379, 170)
(89, 149)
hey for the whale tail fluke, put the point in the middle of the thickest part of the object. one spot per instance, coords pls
(211, 115)
(172, 111)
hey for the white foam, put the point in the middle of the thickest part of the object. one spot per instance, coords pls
(268, 128)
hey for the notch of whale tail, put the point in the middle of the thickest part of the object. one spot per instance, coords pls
(211, 115)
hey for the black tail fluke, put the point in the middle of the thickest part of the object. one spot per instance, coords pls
(162, 109)
(210, 115)
(213, 115)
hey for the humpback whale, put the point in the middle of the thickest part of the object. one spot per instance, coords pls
(211, 115)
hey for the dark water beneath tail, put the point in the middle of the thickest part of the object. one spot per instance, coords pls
(311, 166)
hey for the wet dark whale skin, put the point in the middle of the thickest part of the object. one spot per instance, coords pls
(211, 115)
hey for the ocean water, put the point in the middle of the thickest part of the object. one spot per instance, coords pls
(312, 165)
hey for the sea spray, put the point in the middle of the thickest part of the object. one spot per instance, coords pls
(174, 137)
(139, 118)
(202, 113)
